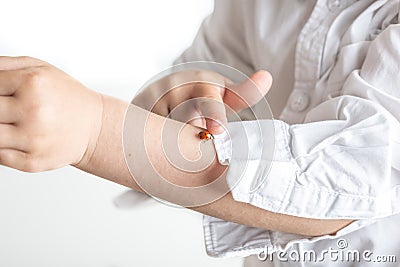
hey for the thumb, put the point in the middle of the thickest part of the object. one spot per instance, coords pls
(248, 93)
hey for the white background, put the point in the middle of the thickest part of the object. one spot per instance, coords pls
(70, 218)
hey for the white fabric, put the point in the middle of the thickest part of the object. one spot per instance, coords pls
(223, 145)
(336, 63)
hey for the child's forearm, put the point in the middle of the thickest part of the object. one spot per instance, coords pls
(49, 120)
(104, 156)
(108, 161)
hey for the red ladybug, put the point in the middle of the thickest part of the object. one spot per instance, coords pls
(205, 135)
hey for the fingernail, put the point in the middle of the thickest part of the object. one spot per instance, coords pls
(215, 127)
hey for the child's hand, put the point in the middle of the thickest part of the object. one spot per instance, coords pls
(47, 119)
(200, 96)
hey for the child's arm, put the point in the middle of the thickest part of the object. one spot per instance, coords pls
(108, 162)
(49, 120)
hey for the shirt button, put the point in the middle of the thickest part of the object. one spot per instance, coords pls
(333, 5)
(299, 101)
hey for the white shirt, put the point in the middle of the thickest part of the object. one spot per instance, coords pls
(336, 91)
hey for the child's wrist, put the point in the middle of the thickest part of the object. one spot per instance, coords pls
(104, 156)
(95, 126)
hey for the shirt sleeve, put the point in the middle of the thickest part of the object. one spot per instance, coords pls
(343, 162)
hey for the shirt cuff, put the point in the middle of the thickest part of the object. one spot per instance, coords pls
(264, 172)
(251, 161)
(256, 150)
(227, 239)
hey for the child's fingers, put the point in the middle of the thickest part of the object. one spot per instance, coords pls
(15, 63)
(16, 159)
(11, 138)
(8, 109)
(9, 82)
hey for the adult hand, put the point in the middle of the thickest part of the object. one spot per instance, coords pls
(47, 119)
(197, 97)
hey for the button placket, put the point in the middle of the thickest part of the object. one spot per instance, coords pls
(308, 57)
(334, 5)
(299, 101)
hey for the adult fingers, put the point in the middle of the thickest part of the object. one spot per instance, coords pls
(188, 114)
(214, 114)
(210, 105)
(248, 93)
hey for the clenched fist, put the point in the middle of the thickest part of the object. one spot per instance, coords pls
(47, 119)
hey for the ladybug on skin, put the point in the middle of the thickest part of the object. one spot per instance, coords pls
(205, 135)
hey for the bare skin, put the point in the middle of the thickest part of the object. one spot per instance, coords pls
(49, 120)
